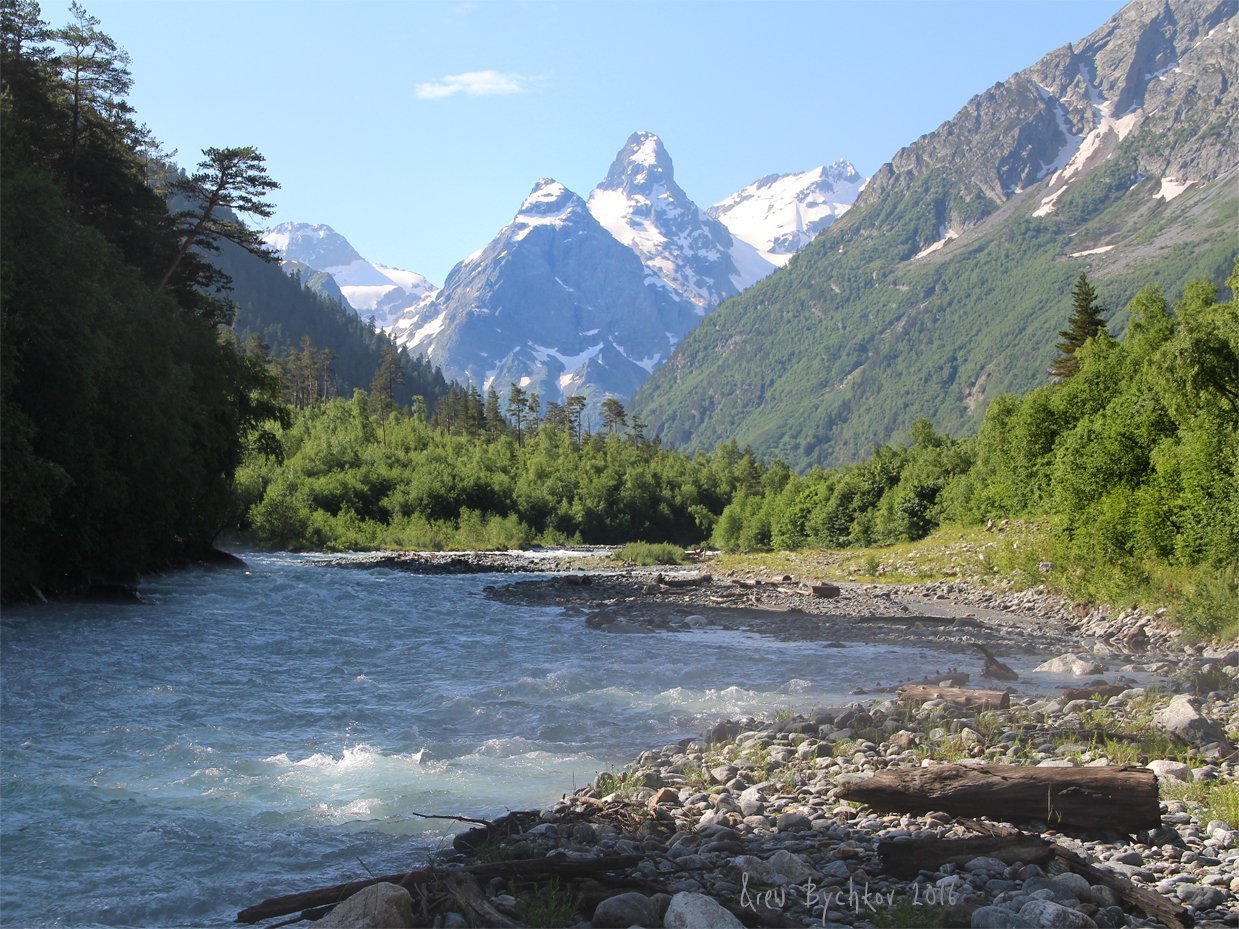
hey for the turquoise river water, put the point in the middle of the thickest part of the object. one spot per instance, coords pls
(251, 733)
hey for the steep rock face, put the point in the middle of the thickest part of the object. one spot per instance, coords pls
(691, 253)
(554, 304)
(947, 281)
(370, 289)
(782, 213)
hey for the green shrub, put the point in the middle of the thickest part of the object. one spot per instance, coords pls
(649, 553)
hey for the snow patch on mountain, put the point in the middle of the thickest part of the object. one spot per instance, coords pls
(1091, 149)
(780, 214)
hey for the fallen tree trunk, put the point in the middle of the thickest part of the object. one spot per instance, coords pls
(521, 868)
(1149, 902)
(982, 699)
(695, 581)
(1112, 798)
(905, 858)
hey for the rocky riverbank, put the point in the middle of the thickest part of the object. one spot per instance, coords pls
(744, 824)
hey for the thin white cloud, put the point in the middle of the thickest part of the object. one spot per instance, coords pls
(475, 84)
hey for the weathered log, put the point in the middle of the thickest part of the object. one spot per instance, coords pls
(1105, 691)
(692, 581)
(982, 699)
(994, 669)
(520, 868)
(828, 591)
(1113, 798)
(1149, 902)
(905, 858)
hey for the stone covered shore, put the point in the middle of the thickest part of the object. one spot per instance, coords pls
(744, 825)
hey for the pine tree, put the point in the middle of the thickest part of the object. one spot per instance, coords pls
(1085, 323)
(518, 407)
(228, 182)
(614, 416)
(96, 72)
(383, 387)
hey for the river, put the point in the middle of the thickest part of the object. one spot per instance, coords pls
(250, 733)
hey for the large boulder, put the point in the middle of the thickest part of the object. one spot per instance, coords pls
(697, 911)
(379, 906)
(1182, 719)
(623, 910)
(1079, 665)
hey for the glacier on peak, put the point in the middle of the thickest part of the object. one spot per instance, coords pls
(779, 214)
(370, 289)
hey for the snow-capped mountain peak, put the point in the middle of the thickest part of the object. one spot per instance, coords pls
(690, 253)
(781, 213)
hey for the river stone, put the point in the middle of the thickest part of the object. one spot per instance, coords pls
(782, 867)
(623, 910)
(1051, 887)
(1175, 770)
(793, 820)
(697, 911)
(379, 906)
(1198, 897)
(998, 917)
(1046, 914)
(1182, 718)
(1078, 886)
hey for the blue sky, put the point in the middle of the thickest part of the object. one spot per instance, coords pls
(416, 129)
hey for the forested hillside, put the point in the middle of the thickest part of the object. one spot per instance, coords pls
(124, 414)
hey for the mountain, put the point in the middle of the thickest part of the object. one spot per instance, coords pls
(370, 289)
(782, 213)
(948, 280)
(693, 255)
(554, 303)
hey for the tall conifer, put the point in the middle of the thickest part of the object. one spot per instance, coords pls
(1085, 323)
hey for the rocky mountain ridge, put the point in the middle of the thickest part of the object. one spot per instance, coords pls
(947, 281)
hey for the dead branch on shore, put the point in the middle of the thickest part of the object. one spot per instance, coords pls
(994, 669)
(904, 858)
(553, 866)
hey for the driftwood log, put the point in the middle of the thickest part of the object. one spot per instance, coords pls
(1149, 902)
(692, 581)
(994, 669)
(1110, 798)
(905, 858)
(981, 699)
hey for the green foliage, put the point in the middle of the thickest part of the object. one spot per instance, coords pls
(351, 480)
(648, 553)
(1211, 609)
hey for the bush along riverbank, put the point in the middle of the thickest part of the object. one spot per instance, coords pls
(1106, 804)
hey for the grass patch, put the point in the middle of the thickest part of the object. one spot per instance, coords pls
(1214, 799)
(548, 905)
(624, 783)
(650, 553)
